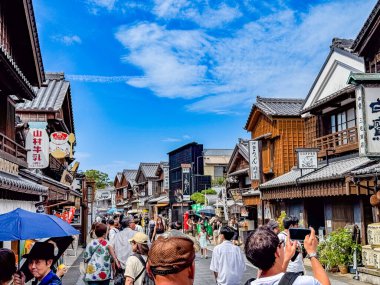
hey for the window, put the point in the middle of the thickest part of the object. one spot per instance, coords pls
(343, 120)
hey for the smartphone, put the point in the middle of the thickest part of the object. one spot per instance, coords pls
(298, 233)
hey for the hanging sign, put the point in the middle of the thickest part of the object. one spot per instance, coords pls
(37, 144)
(368, 118)
(307, 158)
(254, 160)
(59, 146)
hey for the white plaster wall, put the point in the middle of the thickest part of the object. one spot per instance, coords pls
(10, 205)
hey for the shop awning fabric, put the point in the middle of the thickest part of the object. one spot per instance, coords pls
(19, 184)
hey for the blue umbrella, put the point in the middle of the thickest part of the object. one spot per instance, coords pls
(208, 210)
(22, 225)
(111, 211)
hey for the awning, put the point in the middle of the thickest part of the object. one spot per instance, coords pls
(162, 205)
(162, 199)
(22, 185)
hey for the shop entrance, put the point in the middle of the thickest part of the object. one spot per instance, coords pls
(315, 213)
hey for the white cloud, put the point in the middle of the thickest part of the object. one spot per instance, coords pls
(108, 4)
(199, 12)
(68, 40)
(176, 139)
(100, 78)
(277, 55)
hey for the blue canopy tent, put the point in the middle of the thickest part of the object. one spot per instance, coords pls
(22, 225)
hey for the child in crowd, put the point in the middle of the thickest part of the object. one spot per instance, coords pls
(203, 237)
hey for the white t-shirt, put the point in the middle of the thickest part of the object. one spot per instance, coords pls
(121, 245)
(296, 265)
(228, 261)
(112, 233)
(134, 267)
(275, 279)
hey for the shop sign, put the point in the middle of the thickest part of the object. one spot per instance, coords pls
(307, 158)
(368, 118)
(186, 191)
(113, 200)
(166, 177)
(254, 160)
(8, 167)
(59, 145)
(37, 144)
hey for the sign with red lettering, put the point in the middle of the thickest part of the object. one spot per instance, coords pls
(37, 145)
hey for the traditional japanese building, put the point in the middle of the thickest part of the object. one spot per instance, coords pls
(278, 127)
(146, 184)
(325, 196)
(159, 204)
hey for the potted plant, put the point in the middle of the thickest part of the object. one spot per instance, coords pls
(337, 250)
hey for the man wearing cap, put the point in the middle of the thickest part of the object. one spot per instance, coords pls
(120, 244)
(171, 261)
(135, 267)
(40, 259)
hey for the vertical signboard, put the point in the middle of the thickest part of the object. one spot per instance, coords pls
(307, 158)
(254, 160)
(186, 182)
(368, 115)
(37, 144)
(166, 178)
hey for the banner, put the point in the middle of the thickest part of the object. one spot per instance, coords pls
(254, 160)
(37, 144)
(186, 190)
(368, 118)
(166, 178)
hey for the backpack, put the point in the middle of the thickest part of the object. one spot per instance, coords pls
(287, 279)
(147, 280)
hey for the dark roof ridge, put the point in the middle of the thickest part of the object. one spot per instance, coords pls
(275, 99)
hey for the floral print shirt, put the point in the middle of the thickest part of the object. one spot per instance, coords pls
(98, 259)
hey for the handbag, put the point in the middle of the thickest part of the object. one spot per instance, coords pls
(83, 265)
(119, 278)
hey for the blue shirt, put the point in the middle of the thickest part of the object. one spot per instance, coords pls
(50, 279)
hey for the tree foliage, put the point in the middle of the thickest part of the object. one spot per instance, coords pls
(102, 179)
(198, 198)
(209, 192)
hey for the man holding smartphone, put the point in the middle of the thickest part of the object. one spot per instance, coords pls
(265, 251)
(296, 263)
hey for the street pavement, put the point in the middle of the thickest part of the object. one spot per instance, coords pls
(203, 275)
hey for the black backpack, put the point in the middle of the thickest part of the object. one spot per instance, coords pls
(287, 279)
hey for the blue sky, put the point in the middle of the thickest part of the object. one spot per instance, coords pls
(148, 76)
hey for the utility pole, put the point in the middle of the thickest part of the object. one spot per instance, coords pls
(224, 198)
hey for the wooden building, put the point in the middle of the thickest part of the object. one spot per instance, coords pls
(125, 184)
(326, 196)
(159, 204)
(146, 182)
(278, 126)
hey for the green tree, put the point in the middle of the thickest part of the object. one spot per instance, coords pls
(209, 192)
(198, 198)
(102, 179)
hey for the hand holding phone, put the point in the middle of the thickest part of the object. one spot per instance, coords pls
(298, 233)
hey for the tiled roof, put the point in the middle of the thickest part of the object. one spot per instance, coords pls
(19, 184)
(336, 169)
(344, 44)
(372, 169)
(288, 107)
(217, 152)
(130, 175)
(367, 28)
(50, 96)
(242, 148)
(149, 169)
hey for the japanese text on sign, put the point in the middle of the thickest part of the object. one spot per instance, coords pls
(37, 144)
(254, 160)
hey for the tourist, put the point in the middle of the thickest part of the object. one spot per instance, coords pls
(235, 225)
(135, 272)
(112, 230)
(203, 238)
(191, 224)
(264, 250)
(159, 229)
(138, 228)
(120, 244)
(227, 260)
(40, 259)
(217, 225)
(296, 264)
(171, 261)
(8, 267)
(273, 226)
(98, 258)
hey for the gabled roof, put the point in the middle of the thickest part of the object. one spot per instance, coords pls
(331, 80)
(276, 107)
(217, 152)
(50, 96)
(240, 148)
(130, 175)
(367, 30)
(148, 169)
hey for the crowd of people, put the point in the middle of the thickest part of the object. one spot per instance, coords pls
(122, 249)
